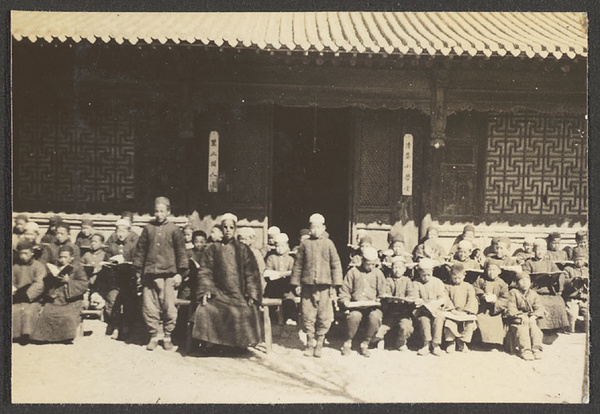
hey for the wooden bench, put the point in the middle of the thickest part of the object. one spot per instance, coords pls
(266, 304)
(93, 313)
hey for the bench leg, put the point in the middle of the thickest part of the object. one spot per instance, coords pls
(188, 338)
(280, 315)
(267, 329)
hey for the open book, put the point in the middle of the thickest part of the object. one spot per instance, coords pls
(461, 317)
(544, 277)
(363, 304)
(515, 269)
(395, 299)
(275, 274)
(471, 275)
(116, 260)
(59, 271)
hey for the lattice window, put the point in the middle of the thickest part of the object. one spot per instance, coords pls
(536, 164)
(65, 156)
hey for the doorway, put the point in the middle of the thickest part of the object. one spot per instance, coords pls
(311, 170)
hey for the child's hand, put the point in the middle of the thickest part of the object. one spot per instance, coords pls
(14, 289)
(204, 299)
(177, 280)
(490, 298)
(63, 278)
(419, 302)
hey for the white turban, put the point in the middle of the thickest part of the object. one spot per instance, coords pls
(32, 226)
(465, 244)
(317, 219)
(229, 216)
(273, 231)
(426, 264)
(370, 254)
(282, 238)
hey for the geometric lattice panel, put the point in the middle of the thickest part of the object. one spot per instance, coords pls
(536, 164)
(374, 184)
(248, 156)
(80, 154)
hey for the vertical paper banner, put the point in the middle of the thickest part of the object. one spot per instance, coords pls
(213, 162)
(407, 165)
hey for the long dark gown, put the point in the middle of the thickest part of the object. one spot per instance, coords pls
(555, 316)
(229, 272)
(63, 302)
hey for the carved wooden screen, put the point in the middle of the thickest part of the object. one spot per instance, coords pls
(72, 158)
(536, 165)
(378, 166)
(378, 162)
(461, 187)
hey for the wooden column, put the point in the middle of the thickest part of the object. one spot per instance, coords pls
(435, 148)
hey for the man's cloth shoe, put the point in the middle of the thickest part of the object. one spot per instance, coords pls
(346, 350)
(527, 355)
(152, 345)
(424, 350)
(364, 350)
(167, 344)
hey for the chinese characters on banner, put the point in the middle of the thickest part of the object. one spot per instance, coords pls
(213, 162)
(407, 165)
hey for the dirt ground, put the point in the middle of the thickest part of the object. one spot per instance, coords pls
(97, 369)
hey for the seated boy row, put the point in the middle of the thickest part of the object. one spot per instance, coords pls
(278, 269)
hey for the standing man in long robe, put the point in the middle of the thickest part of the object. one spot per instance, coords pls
(228, 292)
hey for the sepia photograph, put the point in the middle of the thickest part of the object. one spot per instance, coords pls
(299, 207)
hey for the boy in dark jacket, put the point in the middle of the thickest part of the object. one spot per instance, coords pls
(62, 238)
(50, 235)
(84, 237)
(317, 269)
(162, 259)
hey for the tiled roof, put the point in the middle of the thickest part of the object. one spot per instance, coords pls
(428, 33)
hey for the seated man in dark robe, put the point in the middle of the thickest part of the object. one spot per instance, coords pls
(228, 292)
(27, 287)
(63, 300)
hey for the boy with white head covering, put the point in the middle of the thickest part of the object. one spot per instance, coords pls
(431, 299)
(463, 255)
(363, 283)
(31, 233)
(317, 269)
(269, 248)
(161, 258)
(279, 269)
